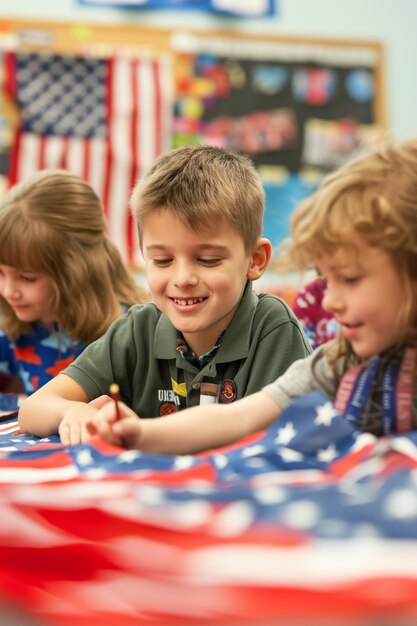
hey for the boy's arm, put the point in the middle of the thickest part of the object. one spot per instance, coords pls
(189, 431)
(59, 406)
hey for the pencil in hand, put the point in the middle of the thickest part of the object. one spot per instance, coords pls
(115, 395)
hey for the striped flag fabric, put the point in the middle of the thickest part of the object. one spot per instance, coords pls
(105, 120)
(311, 522)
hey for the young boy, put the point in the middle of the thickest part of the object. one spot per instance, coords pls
(359, 229)
(206, 337)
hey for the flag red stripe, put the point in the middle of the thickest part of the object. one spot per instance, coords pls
(42, 153)
(108, 148)
(158, 108)
(64, 153)
(134, 167)
(13, 175)
(10, 74)
(86, 159)
(11, 89)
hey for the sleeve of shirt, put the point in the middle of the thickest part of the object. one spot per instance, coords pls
(276, 341)
(107, 359)
(303, 376)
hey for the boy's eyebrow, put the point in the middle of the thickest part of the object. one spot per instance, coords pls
(202, 247)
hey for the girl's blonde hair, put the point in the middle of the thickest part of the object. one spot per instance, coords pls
(202, 185)
(53, 224)
(374, 197)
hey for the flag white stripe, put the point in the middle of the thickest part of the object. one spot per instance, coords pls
(75, 156)
(120, 129)
(149, 91)
(28, 158)
(28, 475)
(54, 150)
(146, 129)
(97, 165)
(166, 90)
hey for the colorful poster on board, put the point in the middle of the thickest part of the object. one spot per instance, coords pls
(297, 110)
(237, 8)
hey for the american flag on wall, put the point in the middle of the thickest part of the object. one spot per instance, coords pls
(105, 120)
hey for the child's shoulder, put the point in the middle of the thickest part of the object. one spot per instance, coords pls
(269, 302)
(138, 324)
(146, 311)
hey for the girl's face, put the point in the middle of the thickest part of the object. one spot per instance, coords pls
(365, 294)
(30, 295)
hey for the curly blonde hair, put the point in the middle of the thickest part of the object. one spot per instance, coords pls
(53, 224)
(375, 197)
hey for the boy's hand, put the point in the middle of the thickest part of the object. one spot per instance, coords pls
(125, 431)
(73, 427)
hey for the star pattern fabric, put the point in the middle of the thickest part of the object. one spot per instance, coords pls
(35, 358)
(296, 521)
(62, 95)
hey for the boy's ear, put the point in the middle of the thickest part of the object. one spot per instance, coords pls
(260, 259)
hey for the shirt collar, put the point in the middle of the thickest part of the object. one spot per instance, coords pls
(236, 339)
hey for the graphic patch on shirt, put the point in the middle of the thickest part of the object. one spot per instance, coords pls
(228, 391)
(167, 408)
(169, 399)
(179, 388)
(167, 395)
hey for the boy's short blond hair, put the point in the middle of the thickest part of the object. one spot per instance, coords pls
(202, 185)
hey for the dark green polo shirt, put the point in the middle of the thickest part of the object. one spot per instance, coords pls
(138, 352)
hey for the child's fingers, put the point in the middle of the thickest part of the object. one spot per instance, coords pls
(104, 431)
(64, 434)
(129, 430)
(102, 422)
(99, 402)
(109, 424)
(91, 428)
(125, 411)
(101, 430)
(70, 434)
(109, 412)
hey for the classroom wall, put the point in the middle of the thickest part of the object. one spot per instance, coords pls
(391, 22)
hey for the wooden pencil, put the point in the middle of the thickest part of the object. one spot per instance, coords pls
(115, 395)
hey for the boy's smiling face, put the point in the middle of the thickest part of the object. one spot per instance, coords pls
(196, 278)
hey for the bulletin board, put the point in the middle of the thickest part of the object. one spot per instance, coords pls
(298, 106)
(289, 51)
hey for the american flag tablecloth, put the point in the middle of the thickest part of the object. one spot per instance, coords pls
(310, 523)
